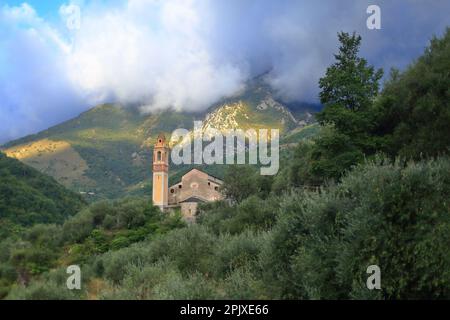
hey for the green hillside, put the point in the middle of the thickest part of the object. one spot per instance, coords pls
(106, 151)
(28, 197)
(342, 202)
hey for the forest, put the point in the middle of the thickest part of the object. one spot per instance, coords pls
(372, 187)
(28, 197)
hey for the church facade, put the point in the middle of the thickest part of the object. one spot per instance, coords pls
(194, 187)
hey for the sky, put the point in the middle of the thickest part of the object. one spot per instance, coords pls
(60, 58)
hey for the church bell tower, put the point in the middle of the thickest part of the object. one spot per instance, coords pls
(160, 172)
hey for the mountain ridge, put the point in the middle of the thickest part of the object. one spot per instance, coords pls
(106, 152)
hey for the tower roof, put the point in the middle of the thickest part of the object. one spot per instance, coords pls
(161, 136)
(161, 140)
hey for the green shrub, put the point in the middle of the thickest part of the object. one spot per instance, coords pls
(190, 249)
(252, 213)
(241, 284)
(386, 214)
(399, 220)
(239, 251)
(193, 287)
(43, 291)
(116, 262)
(8, 273)
(79, 227)
(140, 280)
(48, 235)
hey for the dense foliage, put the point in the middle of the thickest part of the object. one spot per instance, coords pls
(28, 197)
(408, 118)
(100, 228)
(381, 213)
(300, 245)
(374, 191)
(413, 111)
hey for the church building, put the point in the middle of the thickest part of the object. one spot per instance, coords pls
(195, 186)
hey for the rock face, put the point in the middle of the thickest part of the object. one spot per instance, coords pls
(227, 116)
(269, 102)
(268, 114)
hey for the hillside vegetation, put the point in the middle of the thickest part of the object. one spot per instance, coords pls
(29, 197)
(348, 197)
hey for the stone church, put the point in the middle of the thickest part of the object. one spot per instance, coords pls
(195, 186)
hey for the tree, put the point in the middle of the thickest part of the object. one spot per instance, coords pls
(347, 93)
(240, 182)
(333, 154)
(414, 108)
(348, 90)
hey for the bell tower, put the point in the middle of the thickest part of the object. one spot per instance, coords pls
(160, 172)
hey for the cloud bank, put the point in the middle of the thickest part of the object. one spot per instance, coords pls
(187, 54)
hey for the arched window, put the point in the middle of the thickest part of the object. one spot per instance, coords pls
(158, 156)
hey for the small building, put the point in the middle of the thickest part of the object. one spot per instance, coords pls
(195, 186)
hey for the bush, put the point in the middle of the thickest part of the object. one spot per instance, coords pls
(240, 182)
(252, 213)
(413, 109)
(287, 237)
(391, 215)
(241, 284)
(141, 279)
(43, 291)
(193, 287)
(8, 273)
(400, 221)
(189, 249)
(48, 235)
(240, 251)
(78, 227)
(115, 262)
(33, 260)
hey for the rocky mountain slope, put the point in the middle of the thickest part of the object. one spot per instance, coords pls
(106, 151)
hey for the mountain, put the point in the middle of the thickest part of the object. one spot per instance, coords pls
(28, 197)
(106, 151)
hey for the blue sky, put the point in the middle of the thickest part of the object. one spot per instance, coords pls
(185, 54)
(44, 8)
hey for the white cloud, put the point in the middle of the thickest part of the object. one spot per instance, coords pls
(186, 54)
(163, 63)
(34, 84)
